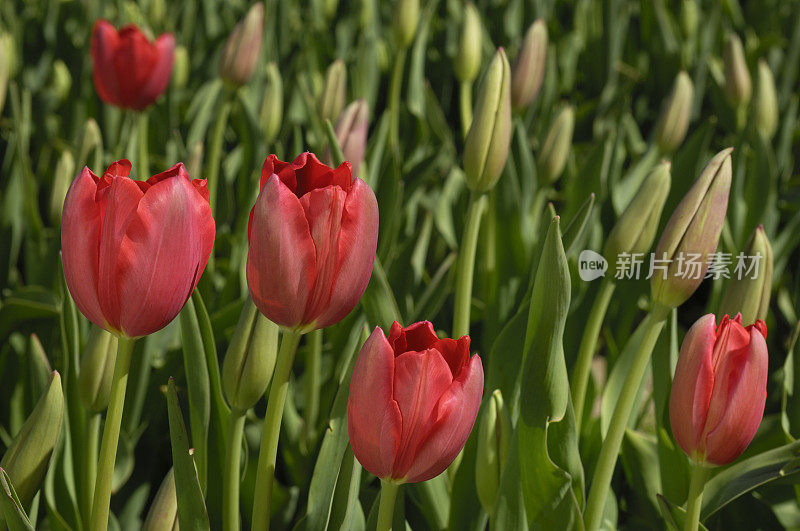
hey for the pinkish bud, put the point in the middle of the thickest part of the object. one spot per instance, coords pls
(240, 55)
(351, 132)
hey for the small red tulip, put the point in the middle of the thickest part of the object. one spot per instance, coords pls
(130, 71)
(134, 251)
(413, 401)
(720, 388)
(313, 234)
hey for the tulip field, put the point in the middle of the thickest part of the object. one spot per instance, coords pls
(404, 264)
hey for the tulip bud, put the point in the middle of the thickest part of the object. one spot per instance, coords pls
(65, 171)
(494, 436)
(720, 388)
(468, 57)
(97, 369)
(272, 104)
(738, 86)
(691, 234)
(529, 67)
(163, 514)
(240, 55)
(689, 17)
(7, 64)
(487, 143)
(765, 104)
(405, 20)
(249, 361)
(749, 288)
(180, 75)
(60, 81)
(351, 133)
(28, 457)
(194, 162)
(556, 147)
(39, 371)
(636, 228)
(91, 138)
(334, 91)
(674, 120)
(330, 8)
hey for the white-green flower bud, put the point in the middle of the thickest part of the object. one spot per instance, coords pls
(180, 70)
(749, 289)
(272, 104)
(405, 21)
(64, 175)
(494, 437)
(163, 513)
(468, 58)
(557, 145)
(674, 120)
(97, 369)
(738, 85)
(528, 72)
(765, 103)
(334, 92)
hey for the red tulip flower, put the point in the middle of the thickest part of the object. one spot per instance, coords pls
(720, 388)
(413, 401)
(313, 234)
(133, 251)
(129, 70)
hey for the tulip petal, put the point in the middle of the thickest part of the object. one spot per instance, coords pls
(456, 353)
(455, 416)
(284, 171)
(281, 262)
(133, 62)
(418, 336)
(160, 71)
(312, 174)
(104, 43)
(374, 421)
(420, 381)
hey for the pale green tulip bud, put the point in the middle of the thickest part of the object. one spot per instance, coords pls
(7, 64)
(749, 288)
(28, 457)
(557, 145)
(468, 58)
(494, 437)
(674, 120)
(97, 369)
(689, 17)
(65, 173)
(636, 228)
(163, 514)
(240, 55)
(180, 70)
(765, 103)
(351, 133)
(272, 104)
(405, 21)
(738, 85)
(528, 72)
(692, 234)
(250, 359)
(60, 81)
(487, 143)
(334, 92)
(39, 371)
(91, 139)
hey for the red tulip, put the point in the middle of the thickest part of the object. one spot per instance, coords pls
(130, 71)
(413, 401)
(313, 234)
(133, 251)
(720, 388)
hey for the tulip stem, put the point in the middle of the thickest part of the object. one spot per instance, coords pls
(694, 502)
(395, 87)
(465, 105)
(609, 451)
(108, 447)
(583, 365)
(386, 508)
(312, 381)
(90, 464)
(215, 149)
(143, 151)
(272, 429)
(465, 268)
(230, 482)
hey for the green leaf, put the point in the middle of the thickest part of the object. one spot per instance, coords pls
(192, 513)
(26, 304)
(416, 74)
(378, 300)
(576, 226)
(674, 515)
(10, 506)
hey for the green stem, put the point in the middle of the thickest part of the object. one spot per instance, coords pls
(272, 429)
(465, 268)
(313, 368)
(465, 106)
(215, 149)
(108, 447)
(90, 465)
(694, 502)
(143, 150)
(583, 365)
(609, 452)
(386, 508)
(395, 86)
(230, 481)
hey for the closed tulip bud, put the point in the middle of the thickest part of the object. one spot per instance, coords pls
(557, 145)
(133, 251)
(329, 221)
(489, 137)
(28, 457)
(738, 85)
(749, 288)
(272, 104)
(39, 371)
(129, 71)
(765, 103)
(468, 57)
(351, 133)
(404, 21)
(163, 513)
(692, 234)
(65, 169)
(91, 139)
(689, 17)
(243, 47)
(529, 67)
(674, 120)
(636, 228)
(249, 362)
(97, 369)
(334, 91)
(720, 388)
(413, 401)
(181, 69)
(60, 81)
(494, 436)
(7, 63)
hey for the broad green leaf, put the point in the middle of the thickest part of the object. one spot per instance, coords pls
(26, 304)
(11, 508)
(416, 75)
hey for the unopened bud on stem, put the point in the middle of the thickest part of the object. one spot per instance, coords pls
(557, 145)
(240, 55)
(468, 59)
(334, 92)
(529, 67)
(674, 120)
(494, 437)
(738, 85)
(749, 289)
(765, 103)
